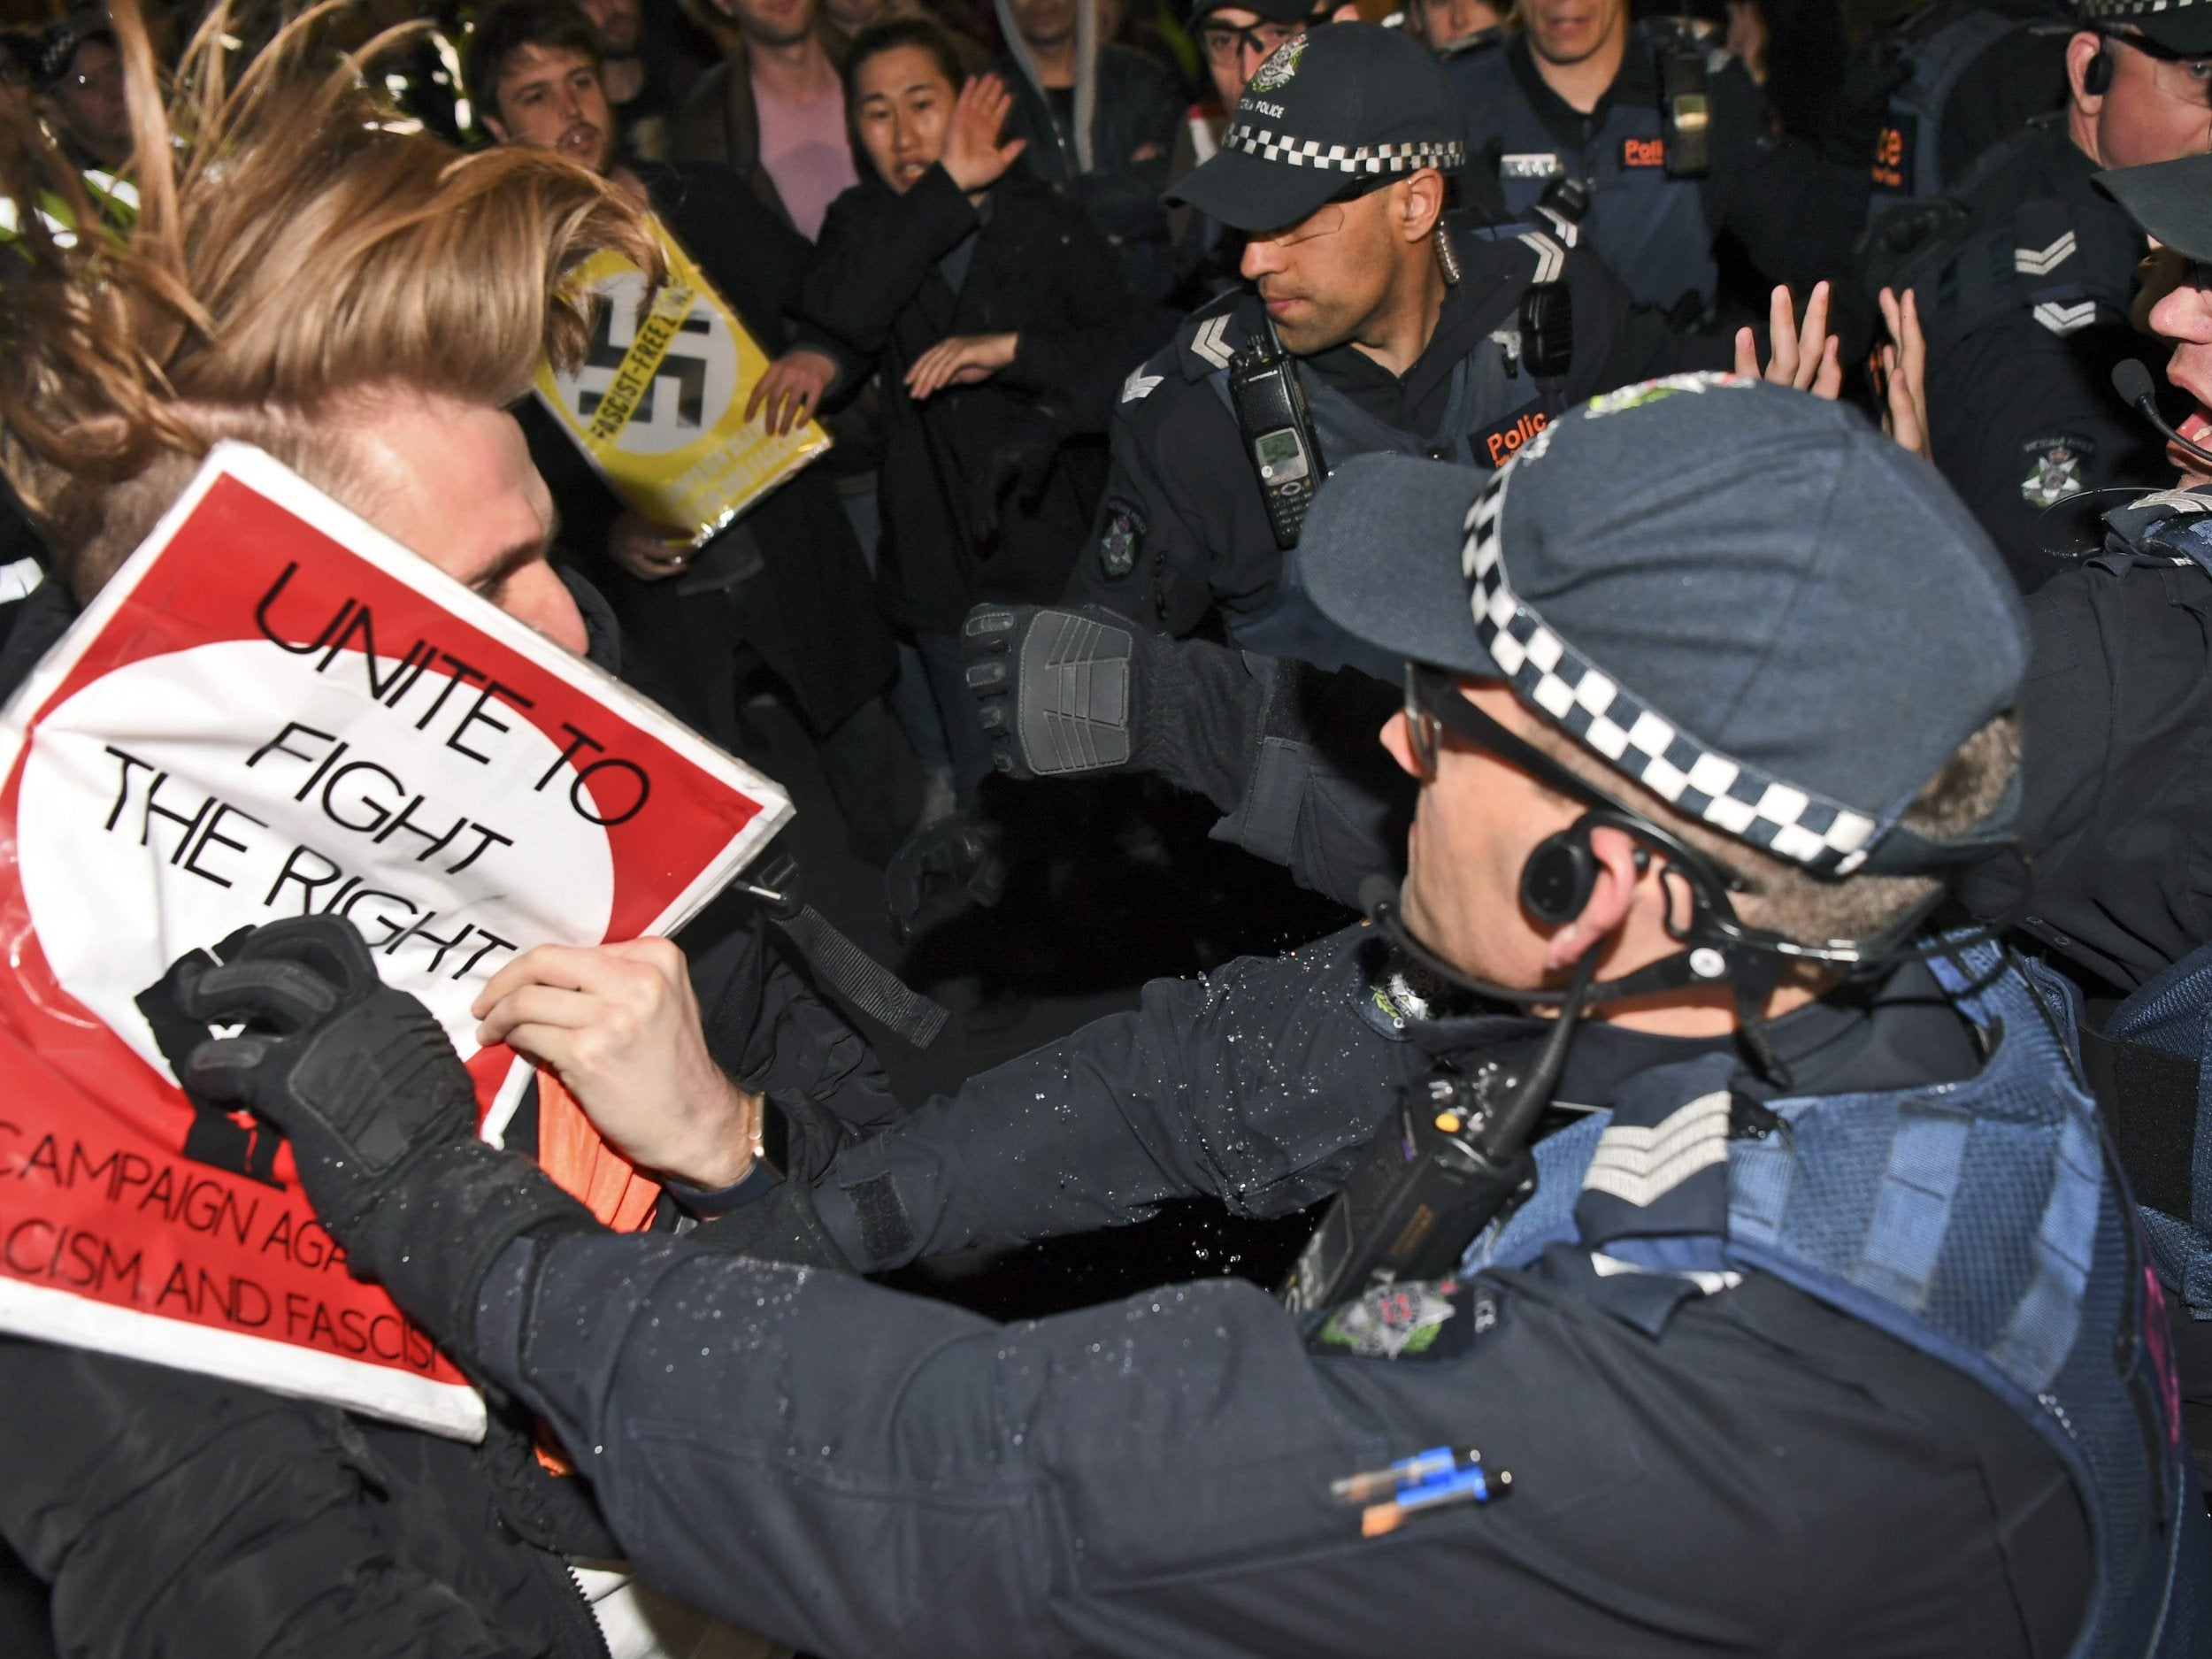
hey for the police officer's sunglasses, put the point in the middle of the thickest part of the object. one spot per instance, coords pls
(1433, 705)
(2184, 79)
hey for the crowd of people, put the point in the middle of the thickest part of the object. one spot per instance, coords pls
(1738, 1051)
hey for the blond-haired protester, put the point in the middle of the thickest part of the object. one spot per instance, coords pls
(363, 302)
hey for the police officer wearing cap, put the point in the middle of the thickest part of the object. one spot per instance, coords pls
(1372, 319)
(1653, 141)
(2025, 281)
(1235, 41)
(1776, 1296)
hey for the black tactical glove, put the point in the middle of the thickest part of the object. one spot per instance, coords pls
(941, 869)
(377, 1108)
(1061, 690)
(1015, 473)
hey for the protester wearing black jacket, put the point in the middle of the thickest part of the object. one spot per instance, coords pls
(785, 587)
(993, 313)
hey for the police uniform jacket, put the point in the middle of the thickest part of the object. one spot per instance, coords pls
(1794, 215)
(1184, 532)
(986, 489)
(1152, 1476)
(2025, 306)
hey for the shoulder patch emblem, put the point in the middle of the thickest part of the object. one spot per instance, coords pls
(1281, 64)
(2053, 469)
(1120, 542)
(1140, 385)
(1391, 1321)
(1647, 392)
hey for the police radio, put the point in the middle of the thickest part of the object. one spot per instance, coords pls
(1685, 108)
(1449, 1161)
(1270, 408)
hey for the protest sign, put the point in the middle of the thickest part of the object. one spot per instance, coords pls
(659, 406)
(274, 709)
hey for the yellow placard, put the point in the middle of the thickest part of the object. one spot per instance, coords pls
(658, 406)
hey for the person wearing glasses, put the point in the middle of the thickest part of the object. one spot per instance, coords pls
(1233, 40)
(1807, 1317)
(2025, 288)
(1400, 321)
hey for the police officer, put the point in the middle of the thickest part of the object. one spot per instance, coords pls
(1821, 1326)
(1235, 41)
(1656, 142)
(2026, 282)
(1374, 319)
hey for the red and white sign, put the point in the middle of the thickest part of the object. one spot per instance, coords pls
(274, 708)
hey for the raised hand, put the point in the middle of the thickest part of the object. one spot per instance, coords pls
(1905, 374)
(973, 157)
(1804, 358)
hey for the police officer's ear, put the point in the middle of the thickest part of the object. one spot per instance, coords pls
(1618, 875)
(2088, 70)
(1417, 205)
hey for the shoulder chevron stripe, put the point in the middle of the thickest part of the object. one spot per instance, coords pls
(1636, 1165)
(2042, 261)
(1207, 341)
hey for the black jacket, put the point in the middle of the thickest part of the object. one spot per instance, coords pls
(1139, 106)
(807, 608)
(186, 1516)
(2025, 304)
(1152, 1476)
(986, 489)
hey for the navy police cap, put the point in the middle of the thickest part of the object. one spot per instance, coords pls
(2183, 27)
(1330, 109)
(1743, 597)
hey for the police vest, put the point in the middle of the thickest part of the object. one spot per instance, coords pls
(1494, 406)
(1977, 1221)
(1651, 229)
(2007, 65)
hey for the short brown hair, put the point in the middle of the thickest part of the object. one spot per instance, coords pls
(298, 248)
(1787, 899)
(513, 27)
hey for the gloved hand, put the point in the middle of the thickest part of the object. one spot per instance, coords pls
(380, 1113)
(1062, 691)
(1016, 471)
(940, 870)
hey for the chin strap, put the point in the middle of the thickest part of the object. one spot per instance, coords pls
(1719, 949)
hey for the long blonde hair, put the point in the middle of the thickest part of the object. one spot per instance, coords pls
(296, 246)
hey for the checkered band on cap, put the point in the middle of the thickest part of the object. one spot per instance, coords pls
(2091, 11)
(1310, 152)
(1552, 677)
